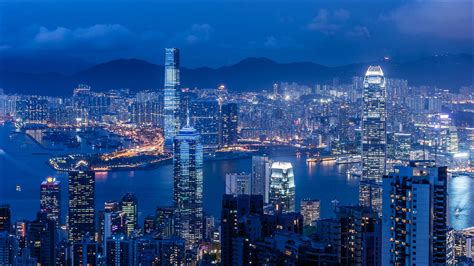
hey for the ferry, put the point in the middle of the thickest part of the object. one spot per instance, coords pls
(348, 159)
(355, 171)
(321, 159)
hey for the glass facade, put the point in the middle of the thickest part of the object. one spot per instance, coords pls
(50, 199)
(171, 94)
(81, 216)
(373, 138)
(188, 186)
(282, 187)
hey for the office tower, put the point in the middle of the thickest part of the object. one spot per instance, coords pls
(85, 252)
(171, 94)
(5, 218)
(453, 141)
(414, 219)
(42, 237)
(237, 184)
(234, 209)
(229, 123)
(402, 147)
(373, 138)
(50, 202)
(282, 187)
(261, 168)
(310, 209)
(205, 119)
(21, 228)
(119, 251)
(107, 222)
(172, 251)
(165, 221)
(188, 183)
(149, 225)
(129, 206)
(8, 248)
(81, 215)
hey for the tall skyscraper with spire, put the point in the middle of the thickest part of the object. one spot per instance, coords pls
(188, 185)
(171, 95)
(373, 138)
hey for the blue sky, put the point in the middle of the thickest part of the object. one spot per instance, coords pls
(215, 33)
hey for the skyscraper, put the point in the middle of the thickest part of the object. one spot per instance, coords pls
(237, 184)
(188, 183)
(81, 216)
(50, 201)
(373, 138)
(41, 239)
(260, 184)
(165, 221)
(205, 119)
(310, 209)
(414, 220)
(282, 187)
(129, 206)
(5, 218)
(234, 209)
(171, 94)
(229, 123)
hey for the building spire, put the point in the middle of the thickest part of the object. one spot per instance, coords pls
(187, 117)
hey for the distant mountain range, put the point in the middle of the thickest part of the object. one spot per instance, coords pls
(252, 74)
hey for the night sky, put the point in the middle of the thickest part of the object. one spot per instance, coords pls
(216, 33)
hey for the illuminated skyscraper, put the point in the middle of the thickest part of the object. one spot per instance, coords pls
(237, 184)
(50, 202)
(81, 216)
(171, 94)
(260, 184)
(282, 187)
(5, 218)
(373, 138)
(129, 206)
(188, 183)
(414, 221)
(310, 209)
(205, 119)
(229, 123)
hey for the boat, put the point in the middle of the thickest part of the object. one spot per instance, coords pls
(457, 212)
(354, 171)
(348, 159)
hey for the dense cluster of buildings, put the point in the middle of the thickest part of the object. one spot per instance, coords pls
(401, 217)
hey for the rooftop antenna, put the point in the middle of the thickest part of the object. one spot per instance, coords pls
(187, 117)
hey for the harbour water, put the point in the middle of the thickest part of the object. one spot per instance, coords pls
(23, 166)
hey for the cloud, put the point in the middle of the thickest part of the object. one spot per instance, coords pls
(198, 33)
(271, 42)
(358, 31)
(445, 19)
(337, 22)
(329, 22)
(96, 37)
